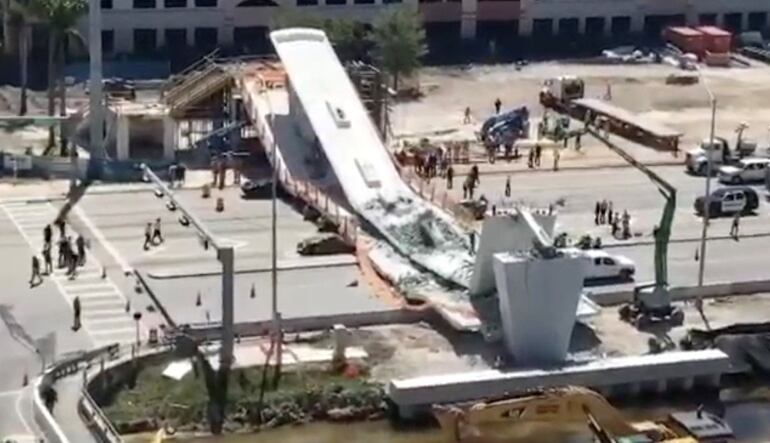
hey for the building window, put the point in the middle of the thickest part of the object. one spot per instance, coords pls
(256, 3)
(205, 38)
(106, 4)
(205, 3)
(251, 39)
(569, 27)
(307, 2)
(542, 27)
(734, 22)
(757, 21)
(175, 39)
(336, 2)
(391, 1)
(620, 25)
(174, 3)
(363, 2)
(144, 4)
(707, 19)
(108, 41)
(145, 41)
(595, 26)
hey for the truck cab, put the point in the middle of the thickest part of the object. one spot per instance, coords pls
(562, 89)
(696, 160)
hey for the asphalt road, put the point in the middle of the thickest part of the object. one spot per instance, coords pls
(628, 189)
(28, 315)
(173, 268)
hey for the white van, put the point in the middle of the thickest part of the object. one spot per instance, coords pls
(599, 264)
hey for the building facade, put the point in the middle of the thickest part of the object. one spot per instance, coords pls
(150, 26)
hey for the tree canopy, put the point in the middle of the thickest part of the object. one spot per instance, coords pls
(399, 40)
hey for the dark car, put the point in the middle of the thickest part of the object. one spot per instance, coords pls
(258, 189)
(729, 201)
(118, 88)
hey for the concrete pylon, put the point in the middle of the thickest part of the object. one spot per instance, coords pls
(538, 304)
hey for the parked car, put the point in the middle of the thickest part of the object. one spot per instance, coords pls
(117, 88)
(257, 189)
(729, 201)
(744, 171)
(599, 264)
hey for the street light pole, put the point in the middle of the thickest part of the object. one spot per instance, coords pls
(707, 195)
(96, 114)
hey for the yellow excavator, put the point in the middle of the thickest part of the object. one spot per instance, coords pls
(466, 423)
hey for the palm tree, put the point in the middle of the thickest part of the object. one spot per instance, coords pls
(61, 16)
(17, 18)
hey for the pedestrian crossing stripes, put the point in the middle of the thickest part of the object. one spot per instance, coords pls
(103, 306)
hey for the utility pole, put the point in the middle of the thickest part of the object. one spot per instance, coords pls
(96, 112)
(707, 191)
(226, 256)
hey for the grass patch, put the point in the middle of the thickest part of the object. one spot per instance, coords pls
(300, 397)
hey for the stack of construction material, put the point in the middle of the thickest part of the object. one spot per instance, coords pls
(717, 44)
(688, 40)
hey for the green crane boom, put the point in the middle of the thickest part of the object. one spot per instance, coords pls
(662, 233)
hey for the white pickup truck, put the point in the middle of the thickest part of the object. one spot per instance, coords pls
(599, 264)
(696, 160)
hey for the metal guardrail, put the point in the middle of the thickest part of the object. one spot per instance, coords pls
(95, 418)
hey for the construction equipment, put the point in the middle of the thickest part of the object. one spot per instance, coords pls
(468, 422)
(652, 302)
(566, 95)
(557, 93)
(506, 128)
(719, 152)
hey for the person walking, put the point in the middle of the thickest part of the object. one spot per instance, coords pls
(626, 225)
(80, 245)
(72, 265)
(47, 234)
(538, 154)
(475, 175)
(498, 105)
(48, 263)
(156, 234)
(609, 213)
(62, 227)
(614, 225)
(531, 159)
(467, 115)
(556, 157)
(147, 236)
(35, 279)
(577, 141)
(735, 226)
(597, 212)
(76, 313)
(508, 186)
(450, 174)
(603, 212)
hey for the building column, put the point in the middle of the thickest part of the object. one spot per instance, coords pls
(169, 137)
(637, 23)
(122, 135)
(581, 25)
(468, 18)
(525, 27)
(227, 31)
(124, 40)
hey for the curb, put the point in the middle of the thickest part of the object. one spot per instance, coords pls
(174, 276)
(573, 168)
(683, 240)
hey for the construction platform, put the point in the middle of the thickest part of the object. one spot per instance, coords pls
(613, 377)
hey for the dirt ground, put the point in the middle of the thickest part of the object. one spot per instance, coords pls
(741, 93)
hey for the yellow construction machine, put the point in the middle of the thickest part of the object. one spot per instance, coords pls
(466, 423)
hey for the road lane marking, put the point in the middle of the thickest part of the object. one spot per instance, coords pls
(99, 236)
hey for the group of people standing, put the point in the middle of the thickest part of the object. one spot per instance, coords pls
(69, 256)
(604, 214)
